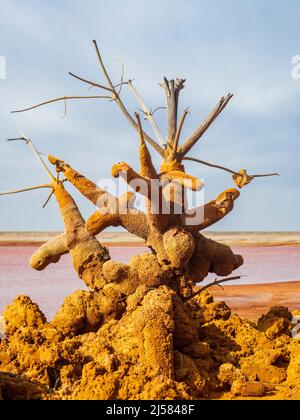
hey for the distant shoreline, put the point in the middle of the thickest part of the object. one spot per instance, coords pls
(126, 239)
(253, 300)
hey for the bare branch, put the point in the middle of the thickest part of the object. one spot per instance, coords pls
(62, 98)
(103, 67)
(119, 84)
(37, 187)
(149, 139)
(212, 165)
(94, 84)
(48, 199)
(172, 91)
(214, 283)
(193, 139)
(115, 97)
(147, 112)
(157, 109)
(165, 85)
(36, 153)
(179, 85)
(264, 175)
(122, 76)
(178, 133)
(119, 102)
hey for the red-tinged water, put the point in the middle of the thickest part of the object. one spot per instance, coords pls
(50, 287)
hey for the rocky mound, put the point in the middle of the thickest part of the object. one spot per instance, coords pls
(161, 347)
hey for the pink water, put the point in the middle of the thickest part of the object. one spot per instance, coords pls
(50, 287)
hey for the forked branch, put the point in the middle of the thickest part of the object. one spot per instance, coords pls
(89, 82)
(193, 139)
(121, 105)
(148, 114)
(172, 90)
(108, 79)
(36, 154)
(44, 166)
(114, 96)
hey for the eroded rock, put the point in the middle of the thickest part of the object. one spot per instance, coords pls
(147, 345)
(248, 389)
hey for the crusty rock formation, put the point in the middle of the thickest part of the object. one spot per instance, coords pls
(140, 332)
(13, 387)
(159, 348)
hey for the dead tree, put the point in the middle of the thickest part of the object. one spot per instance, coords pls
(181, 256)
(136, 330)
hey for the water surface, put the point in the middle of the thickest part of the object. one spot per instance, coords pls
(50, 287)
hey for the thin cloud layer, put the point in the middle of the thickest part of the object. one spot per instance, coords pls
(241, 47)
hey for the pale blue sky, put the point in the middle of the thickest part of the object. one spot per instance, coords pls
(239, 46)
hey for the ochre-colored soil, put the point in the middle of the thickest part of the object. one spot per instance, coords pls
(161, 348)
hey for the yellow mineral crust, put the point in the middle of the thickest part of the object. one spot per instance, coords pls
(49, 253)
(242, 178)
(150, 345)
(14, 387)
(184, 179)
